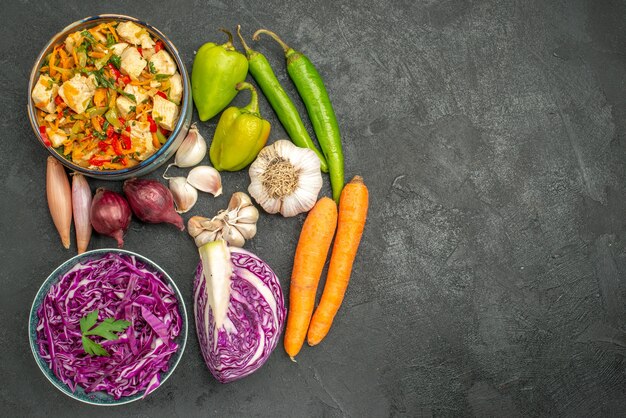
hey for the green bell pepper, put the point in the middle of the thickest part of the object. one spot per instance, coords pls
(240, 134)
(216, 71)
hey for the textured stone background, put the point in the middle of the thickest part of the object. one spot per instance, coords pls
(491, 278)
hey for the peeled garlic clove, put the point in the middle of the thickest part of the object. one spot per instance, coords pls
(239, 200)
(185, 195)
(247, 215)
(247, 230)
(206, 179)
(192, 150)
(233, 236)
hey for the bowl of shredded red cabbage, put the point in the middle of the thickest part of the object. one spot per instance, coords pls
(108, 327)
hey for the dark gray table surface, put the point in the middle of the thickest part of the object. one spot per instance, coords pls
(491, 276)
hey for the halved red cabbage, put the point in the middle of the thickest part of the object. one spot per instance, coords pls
(253, 316)
(120, 287)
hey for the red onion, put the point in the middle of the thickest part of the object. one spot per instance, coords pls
(110, 214)
(152, 202)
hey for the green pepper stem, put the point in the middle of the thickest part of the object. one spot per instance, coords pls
(243, 42)
(255, 37)
(229, 43)
(253, 106)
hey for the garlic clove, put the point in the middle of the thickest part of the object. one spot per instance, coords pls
(194, 225)
(247, 230)
(292, 206)
(205, 236)
(247, 215)
(269, 204)
(192, 150)
(233, 236)
(207, 179)
(185, 195)
(239, 200)
(198, 224)
(306, 199)
(213, 224)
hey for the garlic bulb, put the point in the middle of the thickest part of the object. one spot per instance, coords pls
(185, 195)
(285, 178)
(206, 179)
(235, 225)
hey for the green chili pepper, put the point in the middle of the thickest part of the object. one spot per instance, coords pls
(162, 138)
(286, 111)
(315, 97)
(76, 128)
(217, 69)
(112, 117)
(240, 134)
(96, 111)
(101, 62)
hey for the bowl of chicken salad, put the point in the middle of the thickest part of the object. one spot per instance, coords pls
(109, 97)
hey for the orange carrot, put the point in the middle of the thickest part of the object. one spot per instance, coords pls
(51, 62)
(100, 97)
(352, 214)
(311, 252)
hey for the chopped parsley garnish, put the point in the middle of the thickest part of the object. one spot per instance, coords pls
(89, 37)
(101, 79)
(116, 60)
(110, 40)
(130, 96)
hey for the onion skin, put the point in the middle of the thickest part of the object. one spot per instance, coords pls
(152, 202)
(81, 207)
(59, 198)
(110, 215)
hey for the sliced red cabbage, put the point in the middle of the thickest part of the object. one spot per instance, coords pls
(239, 310)
(120, 287)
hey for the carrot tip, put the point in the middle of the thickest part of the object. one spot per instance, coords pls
(293, 359)
(357, 179)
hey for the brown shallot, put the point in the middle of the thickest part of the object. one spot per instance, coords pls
(59, 198)
(81, 207)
